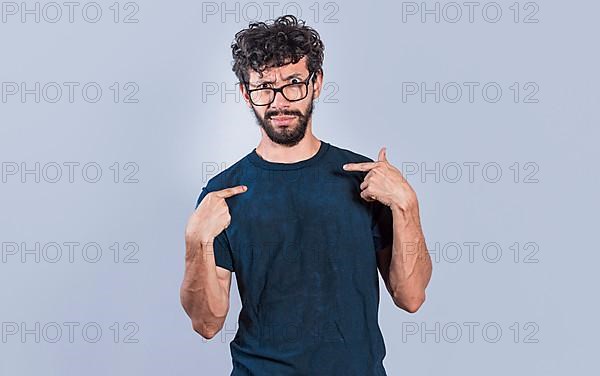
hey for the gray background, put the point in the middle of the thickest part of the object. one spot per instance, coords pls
(180, 133)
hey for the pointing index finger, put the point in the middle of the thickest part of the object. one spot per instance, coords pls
(231, 191)
(365, 166)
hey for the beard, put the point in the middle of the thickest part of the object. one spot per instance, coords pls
(290, 135)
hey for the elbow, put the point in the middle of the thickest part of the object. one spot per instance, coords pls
(204, 321)
(413, 307)
(206, 330)
(411, 304)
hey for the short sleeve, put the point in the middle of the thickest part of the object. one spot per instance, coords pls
(221, 246)
(381, 225)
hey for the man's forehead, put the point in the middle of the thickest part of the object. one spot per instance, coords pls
(284, 71)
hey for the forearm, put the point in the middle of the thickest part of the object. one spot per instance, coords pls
(410, 264)
(202, 296)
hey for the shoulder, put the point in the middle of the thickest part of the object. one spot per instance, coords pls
(228, 177)
(347, 155)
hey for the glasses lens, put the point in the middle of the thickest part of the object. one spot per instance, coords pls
(262, 97)
(295, 92)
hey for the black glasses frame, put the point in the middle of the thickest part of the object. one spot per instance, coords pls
(278, 90)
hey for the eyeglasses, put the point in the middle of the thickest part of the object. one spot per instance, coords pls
(292, 92)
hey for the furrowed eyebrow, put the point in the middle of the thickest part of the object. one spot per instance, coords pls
(293, 75)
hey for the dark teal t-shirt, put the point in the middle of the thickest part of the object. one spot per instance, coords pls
(302, 244)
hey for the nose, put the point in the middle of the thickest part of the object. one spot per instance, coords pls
(279, 101)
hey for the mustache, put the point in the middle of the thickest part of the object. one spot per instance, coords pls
(270, 114)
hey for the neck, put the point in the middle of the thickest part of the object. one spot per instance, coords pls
(273, 152)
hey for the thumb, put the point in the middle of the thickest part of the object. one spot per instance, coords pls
(382, 156)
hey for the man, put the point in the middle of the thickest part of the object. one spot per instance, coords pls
(304, 225)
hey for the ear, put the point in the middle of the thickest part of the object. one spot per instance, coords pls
(318, 84)
(245, 94)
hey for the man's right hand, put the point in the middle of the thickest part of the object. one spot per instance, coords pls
(212, 216)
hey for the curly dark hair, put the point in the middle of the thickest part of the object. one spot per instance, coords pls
(286, 40)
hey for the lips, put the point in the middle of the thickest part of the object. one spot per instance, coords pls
(282, 120)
